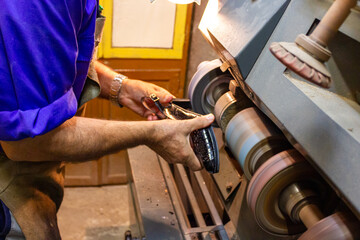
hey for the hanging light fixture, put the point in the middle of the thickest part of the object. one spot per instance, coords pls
(185, 1)
(182, 1)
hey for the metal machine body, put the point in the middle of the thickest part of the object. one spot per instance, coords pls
(323, 125)
(289, 150)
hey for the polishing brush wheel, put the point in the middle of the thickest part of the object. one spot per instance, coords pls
(299, 67)
(307, 56)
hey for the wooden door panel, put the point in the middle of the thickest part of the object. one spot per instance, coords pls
(82, 174)
(167, 80)
(114, 168)
(169, 74)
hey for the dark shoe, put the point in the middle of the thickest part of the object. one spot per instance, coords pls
(203, 140)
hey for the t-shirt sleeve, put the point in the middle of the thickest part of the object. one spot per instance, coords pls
(39, 50)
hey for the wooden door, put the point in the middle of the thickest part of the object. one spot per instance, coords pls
(165, 67)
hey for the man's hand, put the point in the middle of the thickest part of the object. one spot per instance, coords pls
(171, 140)
(133, 90)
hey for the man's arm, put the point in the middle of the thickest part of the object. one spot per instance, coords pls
(81, 139)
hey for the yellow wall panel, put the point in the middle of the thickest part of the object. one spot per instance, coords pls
(106, 50)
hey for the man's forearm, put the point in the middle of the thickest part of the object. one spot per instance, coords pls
(80, 139)
(105, 75)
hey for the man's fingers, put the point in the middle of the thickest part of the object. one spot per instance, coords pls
(167, 98)
(152, 117)
(193, 163)
(164, 95)
(201, 122)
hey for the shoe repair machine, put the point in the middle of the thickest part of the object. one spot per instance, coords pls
(285, 93)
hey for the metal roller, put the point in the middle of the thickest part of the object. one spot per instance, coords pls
(207, 85)
(227, 107)
(253, 138)
(299, 202)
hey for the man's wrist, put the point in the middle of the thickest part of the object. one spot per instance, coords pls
(115, 89)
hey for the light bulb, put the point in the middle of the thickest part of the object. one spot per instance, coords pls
(182, 1)
(185, 1)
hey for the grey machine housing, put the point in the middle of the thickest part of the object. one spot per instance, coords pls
(324, 125)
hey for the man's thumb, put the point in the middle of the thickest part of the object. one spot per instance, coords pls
(202, 122)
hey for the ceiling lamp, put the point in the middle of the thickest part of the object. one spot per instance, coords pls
(182, 1)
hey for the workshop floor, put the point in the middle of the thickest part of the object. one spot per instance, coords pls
(94, 213)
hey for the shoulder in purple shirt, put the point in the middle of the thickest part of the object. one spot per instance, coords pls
(45, 50)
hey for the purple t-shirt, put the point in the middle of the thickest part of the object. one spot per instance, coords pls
(45, 50)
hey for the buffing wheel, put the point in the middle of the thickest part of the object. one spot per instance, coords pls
(270, 180)
(207, 85)
(253, 139)
(338, 226)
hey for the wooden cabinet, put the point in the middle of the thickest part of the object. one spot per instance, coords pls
(167, 71)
